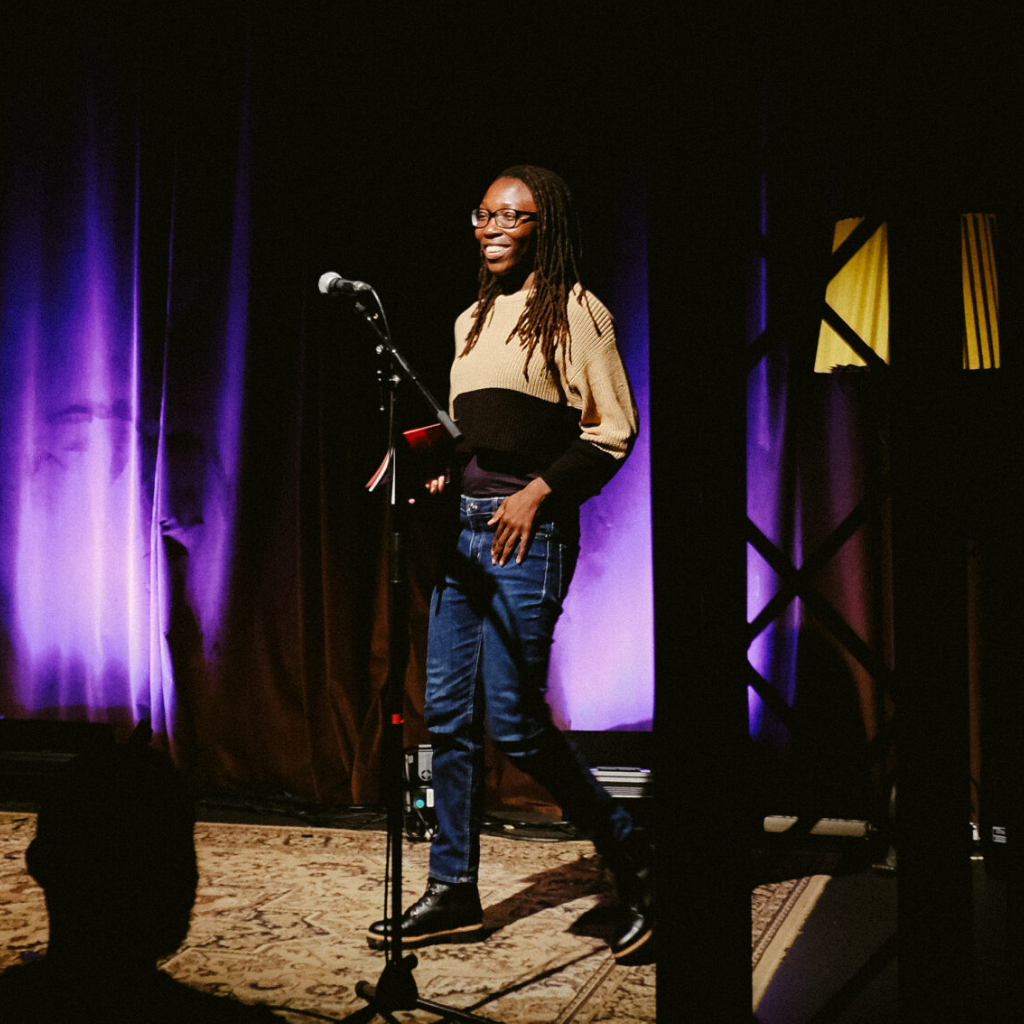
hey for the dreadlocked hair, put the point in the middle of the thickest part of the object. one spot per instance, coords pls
(545, 321)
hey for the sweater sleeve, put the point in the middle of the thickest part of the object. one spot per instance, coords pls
(599, 388)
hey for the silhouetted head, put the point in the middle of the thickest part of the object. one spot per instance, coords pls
(115, 853)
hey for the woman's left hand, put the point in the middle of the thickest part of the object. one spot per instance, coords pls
(513, 522)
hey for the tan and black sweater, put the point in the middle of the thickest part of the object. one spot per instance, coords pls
(521, 424)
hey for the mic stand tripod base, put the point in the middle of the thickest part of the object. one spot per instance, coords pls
(396, 990)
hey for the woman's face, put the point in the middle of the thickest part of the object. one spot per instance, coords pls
(508, 251)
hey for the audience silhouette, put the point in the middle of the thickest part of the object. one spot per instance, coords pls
(114, 852)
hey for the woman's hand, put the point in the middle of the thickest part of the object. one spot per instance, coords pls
(436, 485)
(513, 522)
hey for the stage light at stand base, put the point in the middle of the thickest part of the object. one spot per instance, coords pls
(420, 818)
(633, 786)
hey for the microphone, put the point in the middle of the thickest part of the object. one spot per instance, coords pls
(334, 284)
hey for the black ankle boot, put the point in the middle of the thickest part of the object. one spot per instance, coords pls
(444, 913)
(631, 864)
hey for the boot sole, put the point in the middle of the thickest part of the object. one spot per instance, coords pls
(622, 954)
(466, 933)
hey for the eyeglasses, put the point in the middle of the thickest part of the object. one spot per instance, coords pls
(503, 218)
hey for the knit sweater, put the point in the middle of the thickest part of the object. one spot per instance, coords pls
(575, 440)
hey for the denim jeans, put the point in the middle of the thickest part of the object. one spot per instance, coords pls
(488, 649)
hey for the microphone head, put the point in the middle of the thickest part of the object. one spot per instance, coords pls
(334, 284)
(326, 280)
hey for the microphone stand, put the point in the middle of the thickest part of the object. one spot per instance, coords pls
(396, 988)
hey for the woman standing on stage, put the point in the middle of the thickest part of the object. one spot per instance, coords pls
(542, 399)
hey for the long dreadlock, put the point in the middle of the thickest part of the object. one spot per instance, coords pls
(545, 320)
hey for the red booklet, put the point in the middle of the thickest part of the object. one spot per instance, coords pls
(431, 451)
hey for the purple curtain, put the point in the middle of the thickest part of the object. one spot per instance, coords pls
(77, 514)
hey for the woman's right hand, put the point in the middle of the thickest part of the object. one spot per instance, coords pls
(436, 485)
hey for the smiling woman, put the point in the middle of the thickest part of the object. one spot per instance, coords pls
(548, 417)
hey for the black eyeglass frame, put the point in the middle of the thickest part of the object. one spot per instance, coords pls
(482, 222)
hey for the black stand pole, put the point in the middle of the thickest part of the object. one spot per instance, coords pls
(396, 987)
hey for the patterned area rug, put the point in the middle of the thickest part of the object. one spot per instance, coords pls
(282, 911)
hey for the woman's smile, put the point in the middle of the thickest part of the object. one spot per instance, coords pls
(508, 251)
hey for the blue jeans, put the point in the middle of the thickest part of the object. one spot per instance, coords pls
(487, 663)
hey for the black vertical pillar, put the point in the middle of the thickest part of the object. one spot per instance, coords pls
(930, 620)
(995, 497)
(701, 189)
